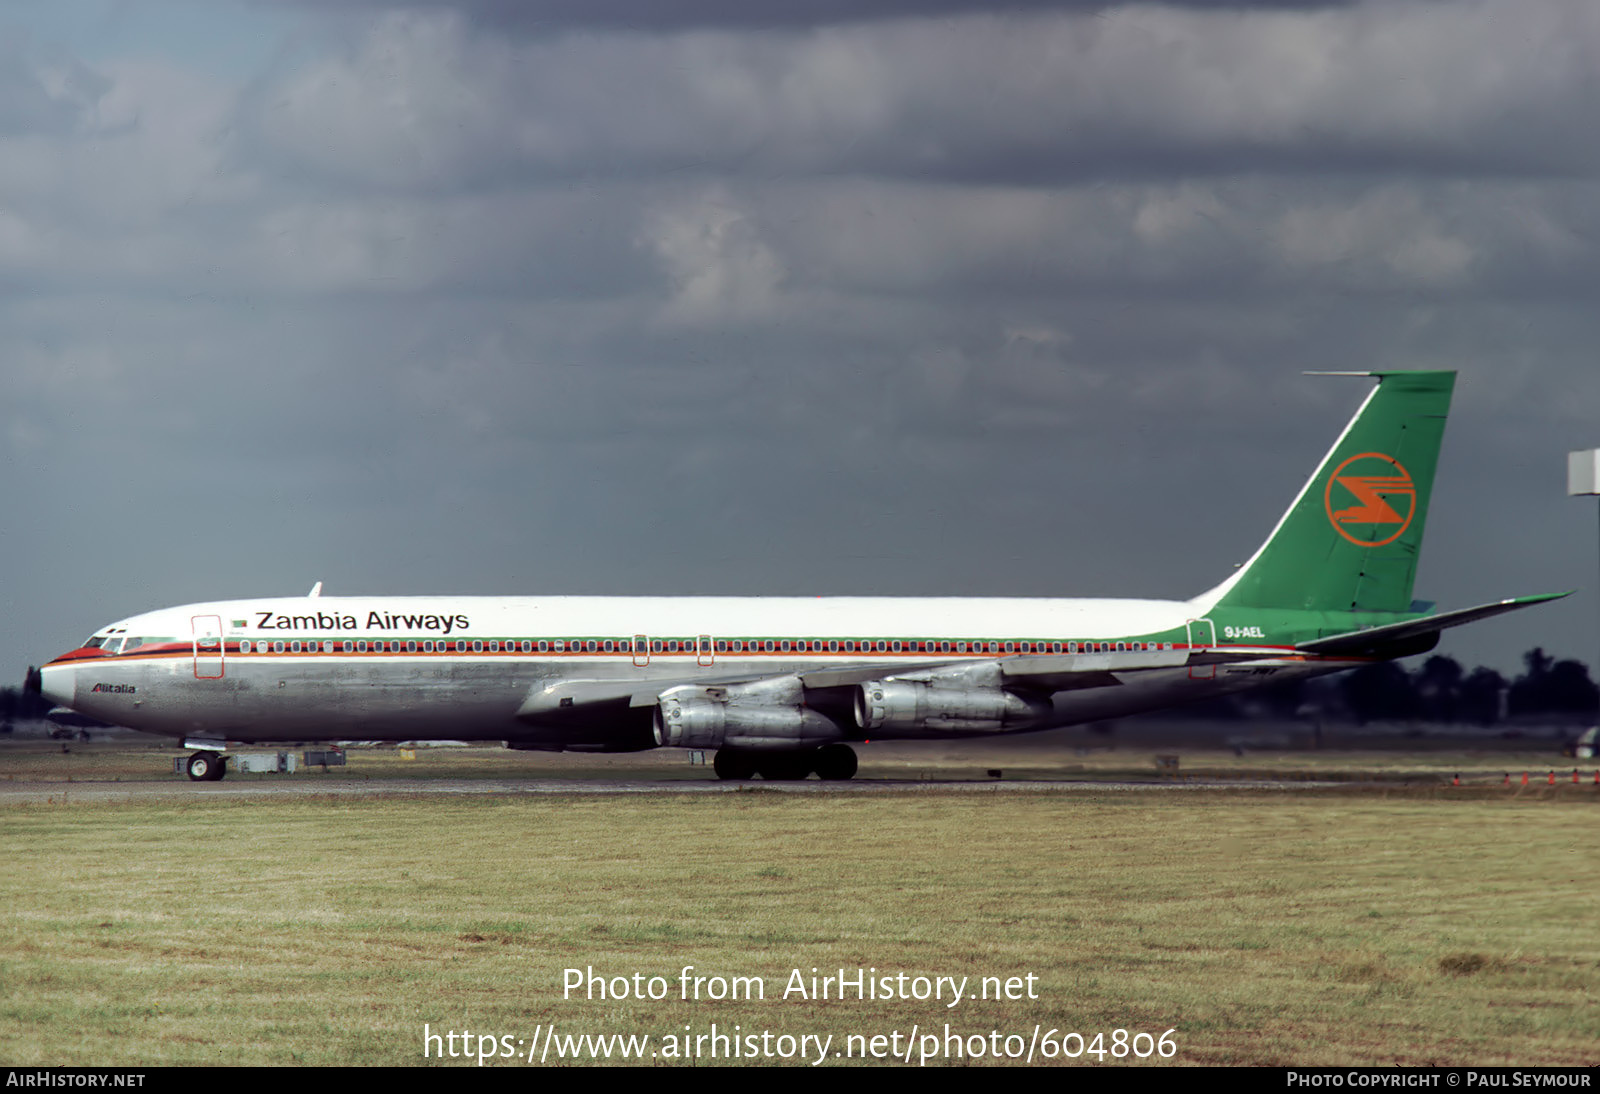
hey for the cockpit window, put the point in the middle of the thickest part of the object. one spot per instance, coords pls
(116, 643)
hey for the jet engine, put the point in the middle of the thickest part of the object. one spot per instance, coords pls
(754, 716)
(910, 706)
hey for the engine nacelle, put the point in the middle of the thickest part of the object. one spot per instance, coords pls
(909, 706)
(696, 720)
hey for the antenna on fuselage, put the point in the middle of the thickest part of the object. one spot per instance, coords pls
(316, 590)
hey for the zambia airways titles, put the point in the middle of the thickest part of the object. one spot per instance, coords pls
(376, 621)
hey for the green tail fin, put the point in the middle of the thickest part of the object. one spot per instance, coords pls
(1351, 539)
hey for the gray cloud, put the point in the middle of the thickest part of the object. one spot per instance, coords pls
(541, 17)
(982, 304)
(424, 101)
(44, 90)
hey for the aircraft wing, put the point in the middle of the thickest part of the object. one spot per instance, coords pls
(567, 695)
(1044, 672)
(1372, 640)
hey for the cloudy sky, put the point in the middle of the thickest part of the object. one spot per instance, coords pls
(910, 297)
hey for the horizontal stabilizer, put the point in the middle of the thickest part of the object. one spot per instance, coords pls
(1374, 639)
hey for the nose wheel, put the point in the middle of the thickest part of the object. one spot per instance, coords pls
(207, 767)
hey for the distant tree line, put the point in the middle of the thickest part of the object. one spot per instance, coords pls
(1439, 690)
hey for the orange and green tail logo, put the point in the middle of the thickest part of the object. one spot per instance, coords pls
(1350, 541)
(1384, 495)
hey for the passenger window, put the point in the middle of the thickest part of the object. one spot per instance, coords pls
(544, 647)
(361, 647)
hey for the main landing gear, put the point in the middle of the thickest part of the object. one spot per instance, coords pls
(830, 762)
(207, 767)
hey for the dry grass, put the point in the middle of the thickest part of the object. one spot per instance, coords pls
(1267, 929)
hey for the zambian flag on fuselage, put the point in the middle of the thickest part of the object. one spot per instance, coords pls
(1351, 540)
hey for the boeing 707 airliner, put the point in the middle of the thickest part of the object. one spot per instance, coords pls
(784, 687)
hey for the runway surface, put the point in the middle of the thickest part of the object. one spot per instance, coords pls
(64, 792)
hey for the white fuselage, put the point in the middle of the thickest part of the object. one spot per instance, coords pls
(327, 668)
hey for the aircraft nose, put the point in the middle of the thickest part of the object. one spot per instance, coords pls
(56, 683)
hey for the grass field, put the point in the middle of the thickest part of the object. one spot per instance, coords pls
(1389, 925)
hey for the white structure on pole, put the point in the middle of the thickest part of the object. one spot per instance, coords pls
(1583, 472)
(1583, 477)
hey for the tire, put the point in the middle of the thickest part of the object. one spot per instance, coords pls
(835, 763)
(730, 763)
(785, 766)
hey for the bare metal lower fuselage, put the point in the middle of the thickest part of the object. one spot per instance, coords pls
(271, 698)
